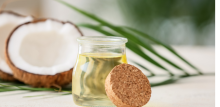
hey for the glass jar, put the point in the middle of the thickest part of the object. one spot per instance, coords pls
(97, 56)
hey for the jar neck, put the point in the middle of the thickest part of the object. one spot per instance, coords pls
(88, 48)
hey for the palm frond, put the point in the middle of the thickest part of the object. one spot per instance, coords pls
(135, 39)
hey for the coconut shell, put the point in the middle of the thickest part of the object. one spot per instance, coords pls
(6, 76)
(127, 86)
(36, 80)
(11, 12)
(3, 75)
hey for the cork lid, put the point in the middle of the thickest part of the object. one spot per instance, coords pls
(127, 86)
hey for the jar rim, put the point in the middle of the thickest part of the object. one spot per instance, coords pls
(102, 40)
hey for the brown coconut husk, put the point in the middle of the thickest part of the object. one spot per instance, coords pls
(36, 80)
(3, 75)
(11, 12)
(6, 76)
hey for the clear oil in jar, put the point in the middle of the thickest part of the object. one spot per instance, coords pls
(89, 74)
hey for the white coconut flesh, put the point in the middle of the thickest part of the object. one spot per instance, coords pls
(44, 48)
(8, 22)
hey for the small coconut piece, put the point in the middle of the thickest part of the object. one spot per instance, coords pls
(6, 76)
(127, 86)
(42, 53)
(8, 21)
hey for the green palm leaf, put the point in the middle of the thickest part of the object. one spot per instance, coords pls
(143, 43)
(164, 45)
(135, 38)
(132, 46)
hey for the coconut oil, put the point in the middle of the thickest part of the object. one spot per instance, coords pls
(89, 74)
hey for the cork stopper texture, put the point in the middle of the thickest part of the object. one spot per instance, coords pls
(127, 86)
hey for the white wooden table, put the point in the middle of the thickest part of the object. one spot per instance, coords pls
(188, 92)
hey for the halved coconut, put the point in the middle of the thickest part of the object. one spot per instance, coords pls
(42, 53)
(8, 21)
